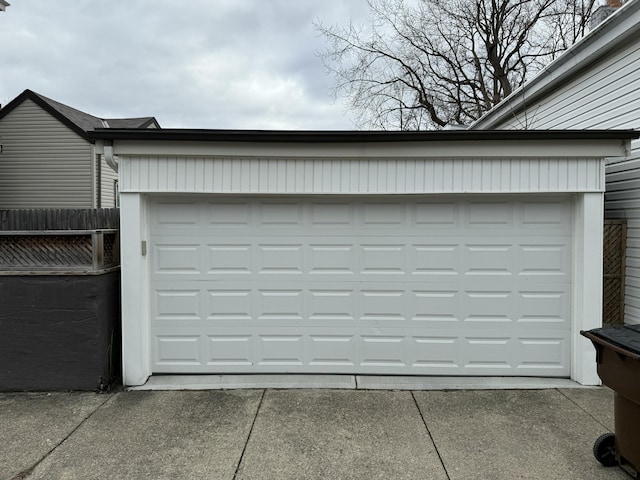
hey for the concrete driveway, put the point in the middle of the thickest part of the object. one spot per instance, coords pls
(305, 434)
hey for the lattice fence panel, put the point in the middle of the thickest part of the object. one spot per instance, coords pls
(50, 251)
(614, 260)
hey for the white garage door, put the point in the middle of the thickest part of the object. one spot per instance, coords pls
(404, 285)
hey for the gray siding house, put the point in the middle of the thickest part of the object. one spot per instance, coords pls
(593, 85)
(47, 159)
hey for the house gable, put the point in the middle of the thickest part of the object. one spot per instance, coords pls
(44, 162)
(47, 144)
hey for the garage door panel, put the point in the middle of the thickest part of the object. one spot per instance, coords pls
(280, 258)
(332, 350)
(281, 214)
(332, 258)
(443, 215)
(435, 259)
(398, 286)
(543, 352)
(178, 350)
(396, 351)
(331, 305)
(332, 215)
(544, 258)
(226, 214)
(266, 257)
(230, 351)
(483, 214)
(538, 305)
(546, 215)
(177, 304)
(177, 215)
(232, 305)
(229, 259)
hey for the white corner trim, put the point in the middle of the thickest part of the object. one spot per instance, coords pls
(136, 351)
(587, 284)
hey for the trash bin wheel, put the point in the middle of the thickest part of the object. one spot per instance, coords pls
(604, 449)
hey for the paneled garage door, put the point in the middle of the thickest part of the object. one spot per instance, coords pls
(381, 285)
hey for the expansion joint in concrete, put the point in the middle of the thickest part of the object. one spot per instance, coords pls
(595, 419)
(433, 441)
(27, 473)
(246, 443)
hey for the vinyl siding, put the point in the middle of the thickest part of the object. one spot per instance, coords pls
(622, 200)
(108, 177)
(606, 95)
(44, 164)
(357, 176)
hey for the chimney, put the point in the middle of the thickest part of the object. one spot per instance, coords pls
(603, 11)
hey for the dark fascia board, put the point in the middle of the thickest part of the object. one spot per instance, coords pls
(35, 98)
(316, 136)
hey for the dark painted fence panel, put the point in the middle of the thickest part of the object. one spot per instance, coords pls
(59, 332)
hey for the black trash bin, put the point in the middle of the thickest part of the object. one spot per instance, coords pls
(618, 358)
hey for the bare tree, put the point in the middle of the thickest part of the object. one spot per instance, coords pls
(430, 63)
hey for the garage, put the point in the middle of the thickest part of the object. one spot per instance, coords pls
(360, 253)
(395, 286)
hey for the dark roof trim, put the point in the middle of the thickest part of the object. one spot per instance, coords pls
(38, 100)
(313, 136)
(77, 120)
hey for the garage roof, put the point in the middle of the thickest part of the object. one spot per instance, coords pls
(321, 136)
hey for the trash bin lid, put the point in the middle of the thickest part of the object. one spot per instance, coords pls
(626, 336)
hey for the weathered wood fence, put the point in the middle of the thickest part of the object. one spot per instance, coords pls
(60, 219)
(59, 240)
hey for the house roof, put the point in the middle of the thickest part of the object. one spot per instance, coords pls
(617, 30)
(80, 122)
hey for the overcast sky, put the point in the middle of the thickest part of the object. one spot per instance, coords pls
(238, 64)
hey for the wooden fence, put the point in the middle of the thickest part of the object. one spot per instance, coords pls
(59, 240)
(60, 219)
(614, 261)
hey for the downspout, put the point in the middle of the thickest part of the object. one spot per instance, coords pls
(109, 157)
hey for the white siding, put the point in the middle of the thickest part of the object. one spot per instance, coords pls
(622, 200)
(603, 97)
(358, 176)
(107, 179)
(44, 164)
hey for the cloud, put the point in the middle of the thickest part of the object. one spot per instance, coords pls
(194, 64)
